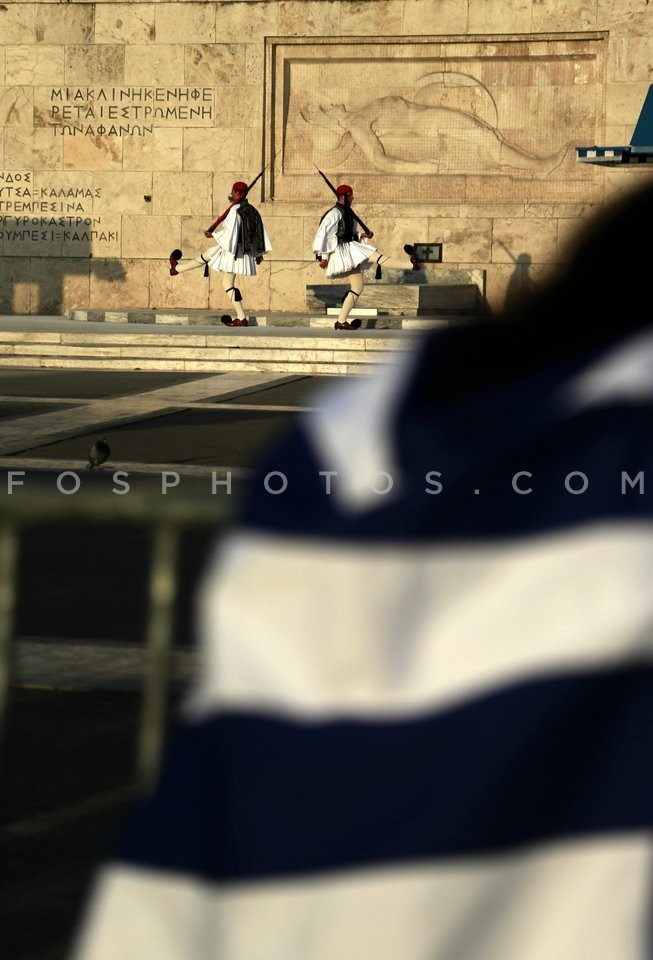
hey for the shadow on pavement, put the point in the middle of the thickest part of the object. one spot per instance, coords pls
(68, 777)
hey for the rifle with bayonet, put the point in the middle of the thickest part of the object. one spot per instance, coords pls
(258, 176)
(209, 232)
(354, 215)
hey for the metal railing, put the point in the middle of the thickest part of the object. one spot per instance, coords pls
(167, 519)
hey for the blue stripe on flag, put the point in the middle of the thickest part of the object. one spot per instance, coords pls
(478, 500)
(549, 759)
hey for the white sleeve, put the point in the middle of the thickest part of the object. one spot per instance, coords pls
(266, 239)
(326, 238)
(227, 232)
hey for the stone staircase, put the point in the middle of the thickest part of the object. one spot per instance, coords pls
(201, 347)
(395, 316)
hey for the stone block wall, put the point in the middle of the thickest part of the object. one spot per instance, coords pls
(124, 124)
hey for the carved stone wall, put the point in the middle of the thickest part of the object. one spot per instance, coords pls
(440, 119)
(123, 126)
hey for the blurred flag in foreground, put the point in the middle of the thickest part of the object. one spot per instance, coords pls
(423, 725)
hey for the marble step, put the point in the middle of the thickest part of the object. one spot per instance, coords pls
(397, 299)
(387, 323)
(354, 312)
(227, 349)
(371, 318)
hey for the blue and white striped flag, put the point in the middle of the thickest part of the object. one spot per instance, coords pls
(423, 729)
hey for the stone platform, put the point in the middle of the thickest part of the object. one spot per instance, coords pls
(208, 346)
(370, 319)
(195, 340)
(426, 292)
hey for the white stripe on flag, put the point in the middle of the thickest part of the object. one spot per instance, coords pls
(556, 903)
(309, 628)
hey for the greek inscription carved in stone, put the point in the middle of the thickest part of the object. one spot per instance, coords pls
(127, 111)
(49, 213)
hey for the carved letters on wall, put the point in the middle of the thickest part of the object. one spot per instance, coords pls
(126, 111)
(49, 217)
(427, 118)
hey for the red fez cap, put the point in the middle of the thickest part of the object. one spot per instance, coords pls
(344, 188)
(240, 186)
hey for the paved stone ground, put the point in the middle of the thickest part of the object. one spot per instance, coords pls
(68, 762)
(68, 775)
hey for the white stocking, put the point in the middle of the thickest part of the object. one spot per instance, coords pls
(229, 284)
(356, 283)
(392, 262)
(185, 265)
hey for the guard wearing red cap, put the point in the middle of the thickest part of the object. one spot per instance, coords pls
(241, 240)
(341, 250)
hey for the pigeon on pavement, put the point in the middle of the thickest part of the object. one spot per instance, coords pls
(99, 452)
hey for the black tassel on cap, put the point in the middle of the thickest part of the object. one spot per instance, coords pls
(378, 274)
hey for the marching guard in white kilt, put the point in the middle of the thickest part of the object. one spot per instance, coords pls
(241, 240)
(341, 250)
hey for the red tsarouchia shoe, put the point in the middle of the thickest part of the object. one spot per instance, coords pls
(347, 325)
(228, 322)
(175, 257)
(410, 250)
